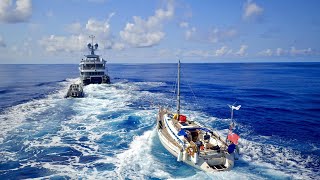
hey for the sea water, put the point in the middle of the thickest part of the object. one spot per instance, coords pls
(110, 133)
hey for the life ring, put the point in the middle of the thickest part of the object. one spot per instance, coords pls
(191, 150)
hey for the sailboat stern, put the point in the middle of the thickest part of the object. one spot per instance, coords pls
(217, 162)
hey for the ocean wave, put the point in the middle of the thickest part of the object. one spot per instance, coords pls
(110, 134)
(49, 83)
(5, 91)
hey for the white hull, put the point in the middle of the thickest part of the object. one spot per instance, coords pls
(206, 160)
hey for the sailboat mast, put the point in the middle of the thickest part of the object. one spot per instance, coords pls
(178, 93)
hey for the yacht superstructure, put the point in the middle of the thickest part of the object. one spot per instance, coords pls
(93, 68)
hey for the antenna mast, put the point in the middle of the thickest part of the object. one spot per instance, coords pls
(92, 37)
(178, 93)
(91, 48)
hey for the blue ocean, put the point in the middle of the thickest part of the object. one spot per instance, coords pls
(110, 133)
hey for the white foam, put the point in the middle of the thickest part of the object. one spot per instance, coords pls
(137, 162)
(99, 100)
(232, 175)
(14, 116)
(7, 156)
(272, 160)
(262, 161)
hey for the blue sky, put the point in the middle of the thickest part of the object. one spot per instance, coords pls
(145, 31)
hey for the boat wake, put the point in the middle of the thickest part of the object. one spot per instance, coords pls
(110, 133)
(138, 161)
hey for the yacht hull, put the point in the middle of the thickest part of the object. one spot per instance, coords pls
(96, 80)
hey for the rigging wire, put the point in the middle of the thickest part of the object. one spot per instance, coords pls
(193, 94)
(174, 89)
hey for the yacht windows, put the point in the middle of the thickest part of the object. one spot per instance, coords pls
(92, 66)
(92, 73)
(92, 59)
(89, 66)
(99, 66)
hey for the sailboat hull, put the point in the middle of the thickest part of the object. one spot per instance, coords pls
(192, 143)
(213, 163)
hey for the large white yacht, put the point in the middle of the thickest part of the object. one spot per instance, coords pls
(93, 68)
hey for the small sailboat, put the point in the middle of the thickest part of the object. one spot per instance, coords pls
(193, 143)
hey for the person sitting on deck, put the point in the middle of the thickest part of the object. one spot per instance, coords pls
(199, 146)
(231, 148)
(206, 137)
(195, 135)
(189, 136)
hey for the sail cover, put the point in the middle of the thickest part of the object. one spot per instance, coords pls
(182, 133)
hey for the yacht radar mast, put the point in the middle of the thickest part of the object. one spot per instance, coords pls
(90, 45)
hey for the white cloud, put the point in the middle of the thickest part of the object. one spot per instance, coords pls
(98, 27)
(74, 27)
(282, 52)
(78, 41)
(295, 52)
(118, 46)
(184, 24)
(22, 49)
(218, 35)
(222, 51)
(93, 26)
(197, 53)
(215, 35)
(242, 50)
(20, 13)
(190, 33)
(251, 10)
(226, 52)
(266, 52)
(64, 44)
(26, 48)
(2, 43)
(146, 33)
(279, 52)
